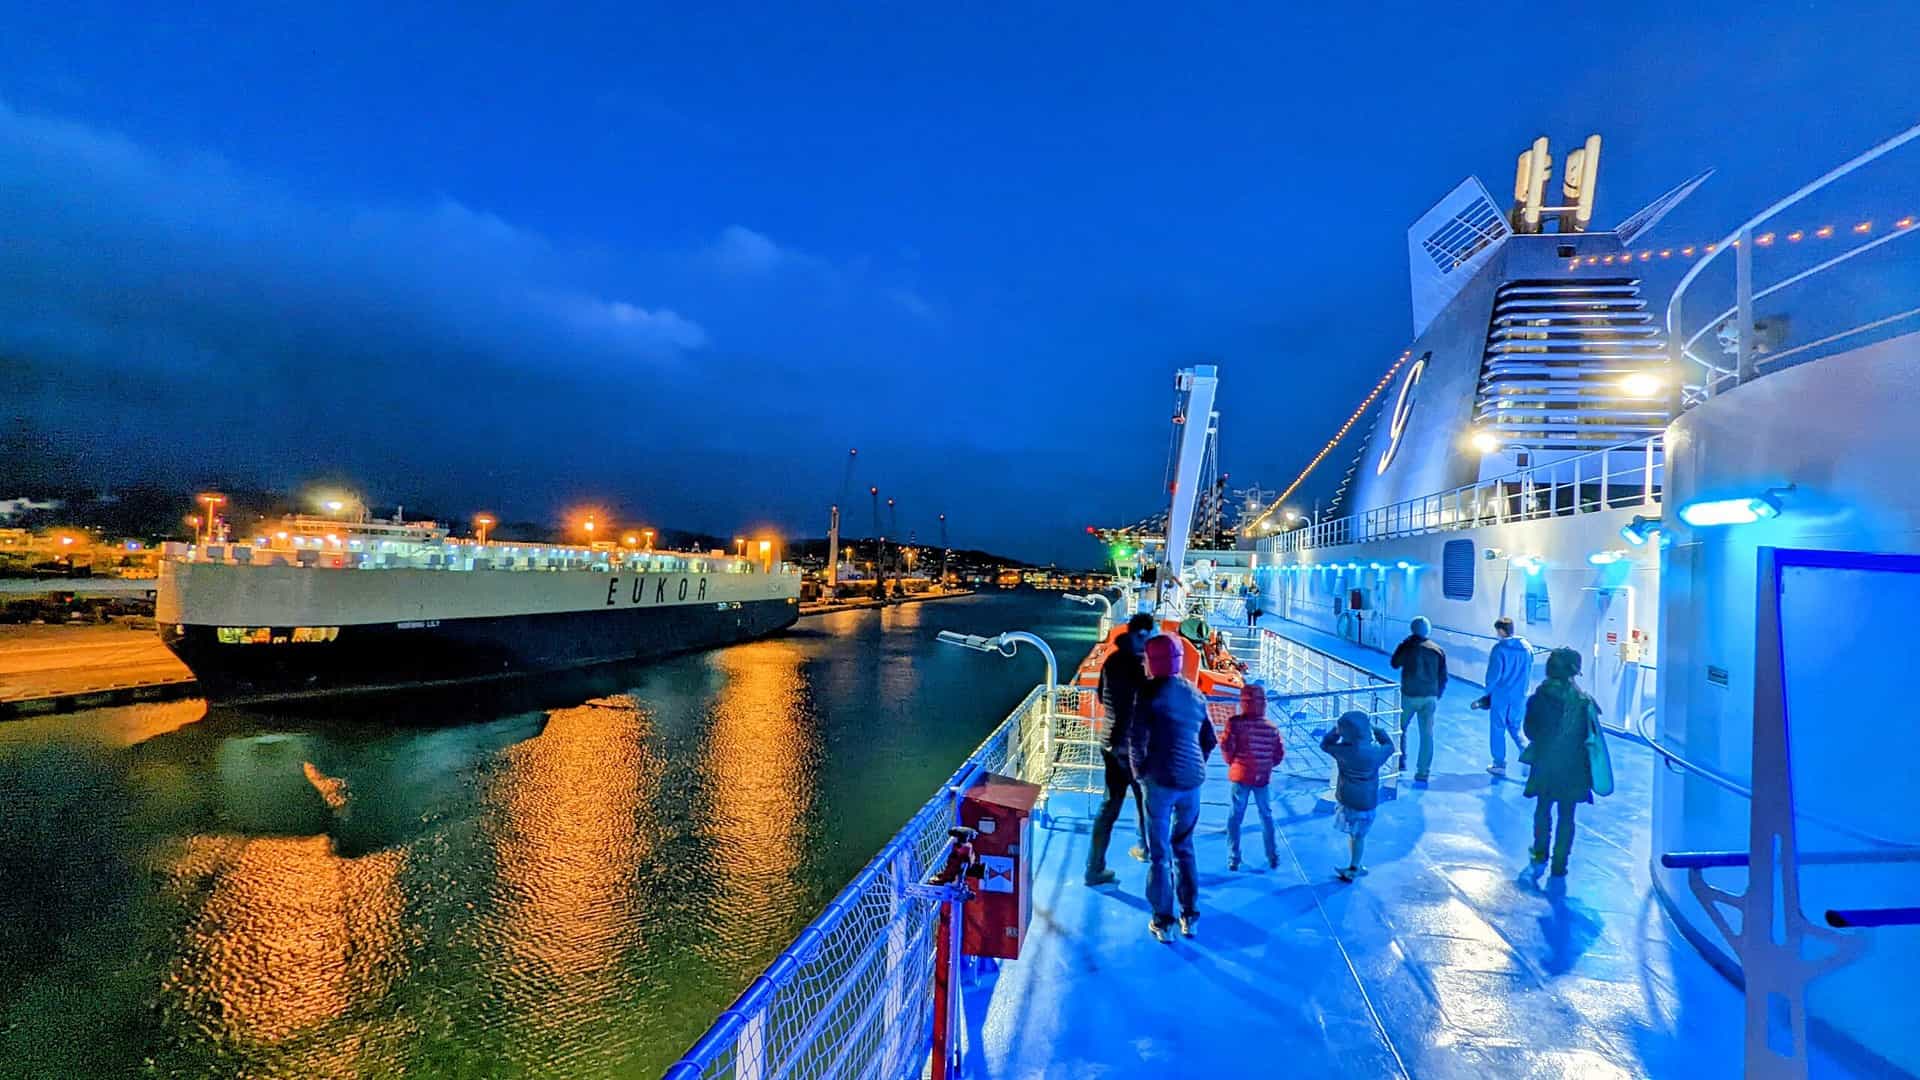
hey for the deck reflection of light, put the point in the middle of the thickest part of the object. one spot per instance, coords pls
(290, 937)
(567, 854)
(758, 771)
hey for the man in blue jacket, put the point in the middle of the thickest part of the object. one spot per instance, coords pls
(1168, 745)
(1509, 674)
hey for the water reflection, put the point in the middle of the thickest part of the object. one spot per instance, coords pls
(758, 773)
(568, 877)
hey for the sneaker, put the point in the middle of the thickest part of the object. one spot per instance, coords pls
(1104, 877)
(1344, 873)
(1159, 932)
(1273, 864)
(1497, 769)
(1138, 852)
(1233, 863)
(1420, 778)
(1187, 922)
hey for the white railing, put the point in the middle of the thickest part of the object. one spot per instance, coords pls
(1617, 477)
(1738, 328)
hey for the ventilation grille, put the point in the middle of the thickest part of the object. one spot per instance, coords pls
(1558, 356)
(1456, 570)
(1473, 229)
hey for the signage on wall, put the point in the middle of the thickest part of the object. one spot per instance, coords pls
(1402, 410)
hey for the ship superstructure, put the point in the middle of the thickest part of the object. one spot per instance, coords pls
(323, 606)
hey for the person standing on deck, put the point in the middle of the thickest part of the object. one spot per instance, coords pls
(1168, 744)
(1251, 746)
(1423, 678)
(1509, 674)
(1358, 748)
(1121, 677)
(1559, 717)
(1253, 604)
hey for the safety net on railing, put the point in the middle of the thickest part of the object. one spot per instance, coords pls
(852, 996)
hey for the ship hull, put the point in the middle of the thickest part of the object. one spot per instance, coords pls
(372, 658)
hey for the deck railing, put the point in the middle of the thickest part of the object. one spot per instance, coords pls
(1751, 320)
(852, 996)
(1307, 690)
(1617, 477)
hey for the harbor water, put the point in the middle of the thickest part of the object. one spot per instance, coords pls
(568, 877)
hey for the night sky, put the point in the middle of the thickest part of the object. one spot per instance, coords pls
(676, 259)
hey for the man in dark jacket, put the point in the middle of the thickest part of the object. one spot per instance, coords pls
(1423, 678)
(1168, 744)
(1121, 677)
(1559, 717)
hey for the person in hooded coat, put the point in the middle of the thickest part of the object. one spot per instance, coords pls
(1358, 747)
(1168, 745)
(1251, 746)
(1559, 717)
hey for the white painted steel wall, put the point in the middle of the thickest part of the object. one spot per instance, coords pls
(1842, 430)
(1575, 609)
(234, 594)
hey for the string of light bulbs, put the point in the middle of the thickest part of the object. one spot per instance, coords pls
(1365, 404)
(1765, 239)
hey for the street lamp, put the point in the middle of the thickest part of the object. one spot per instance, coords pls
(740, 547)
(1006, 644)
(647, 535)
(482, 523)
(1090, 599)
(213, 501)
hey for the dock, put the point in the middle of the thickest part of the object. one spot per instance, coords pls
(1446, 960)
(45, 668)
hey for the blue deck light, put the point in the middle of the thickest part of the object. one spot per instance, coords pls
(1744, 510)
(1641, 529)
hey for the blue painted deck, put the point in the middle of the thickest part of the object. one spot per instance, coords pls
(1440, 963)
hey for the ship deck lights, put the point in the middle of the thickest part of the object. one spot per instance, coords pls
(1532, 564)
(1606, 558)
(1744, 510)
(1640, 530)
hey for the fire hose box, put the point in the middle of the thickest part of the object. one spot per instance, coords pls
(1000, 810)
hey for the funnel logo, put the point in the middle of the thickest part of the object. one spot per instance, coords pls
(1402, 409)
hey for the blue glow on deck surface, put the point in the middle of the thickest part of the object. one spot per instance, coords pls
(1442, 962)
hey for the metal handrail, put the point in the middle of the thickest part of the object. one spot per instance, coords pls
(1430, 513)
(1741, 240)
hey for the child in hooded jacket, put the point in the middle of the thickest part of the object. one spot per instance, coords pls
(1251, 747)
(1359, 748)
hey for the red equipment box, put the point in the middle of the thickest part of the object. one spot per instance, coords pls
(999, 809)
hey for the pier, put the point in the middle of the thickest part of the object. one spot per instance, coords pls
(57, 667)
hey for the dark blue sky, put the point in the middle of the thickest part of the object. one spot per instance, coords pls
(677, 258)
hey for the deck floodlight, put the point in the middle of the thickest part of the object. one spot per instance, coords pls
(1606, 558)
(1744, 510)
(1640, 530)
(970, 641)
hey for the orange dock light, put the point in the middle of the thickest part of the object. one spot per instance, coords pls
(482, 523)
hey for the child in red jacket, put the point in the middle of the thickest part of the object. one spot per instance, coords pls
(1252, 748)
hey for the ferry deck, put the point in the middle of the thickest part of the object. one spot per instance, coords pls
(1445, 960)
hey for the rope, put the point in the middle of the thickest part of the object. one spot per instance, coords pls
(1365, 404)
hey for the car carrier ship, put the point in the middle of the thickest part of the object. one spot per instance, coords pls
(322, 606)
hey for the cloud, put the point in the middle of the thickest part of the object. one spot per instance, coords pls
(118, 257)
(740, 250)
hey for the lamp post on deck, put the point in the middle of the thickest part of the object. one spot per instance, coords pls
(1106, 603)
(1006, 644)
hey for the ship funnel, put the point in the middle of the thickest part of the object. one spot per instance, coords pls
(1577, 186)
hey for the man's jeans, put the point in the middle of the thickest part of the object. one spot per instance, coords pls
(1172, 814)
(1239, 814)
(1504, 718)
(1119, 782)
(1421, 708)
(1562, 837)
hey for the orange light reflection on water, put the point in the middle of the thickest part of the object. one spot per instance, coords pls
(758, 772)
(567, 856)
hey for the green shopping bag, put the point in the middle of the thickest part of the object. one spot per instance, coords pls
(1598, 763)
